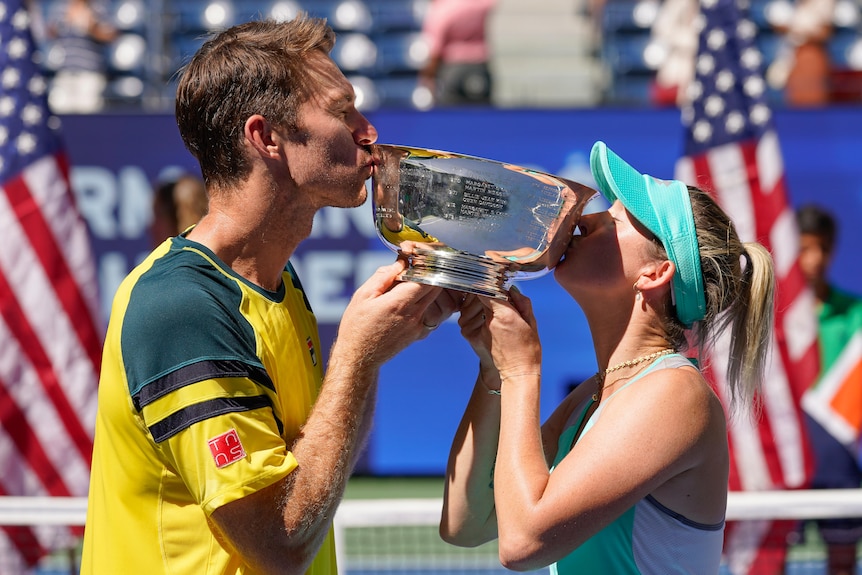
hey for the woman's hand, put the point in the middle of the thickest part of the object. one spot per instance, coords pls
(474, 329)
(514, 336)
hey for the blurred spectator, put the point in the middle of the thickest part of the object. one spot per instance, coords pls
(177, 205)
(80, 32)
(457, 71)
(803, 64)
(839, 319)
(37, 21)
(675, 35)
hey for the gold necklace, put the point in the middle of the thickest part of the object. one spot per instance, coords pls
(629, 363)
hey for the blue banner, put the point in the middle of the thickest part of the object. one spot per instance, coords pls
(116, 161)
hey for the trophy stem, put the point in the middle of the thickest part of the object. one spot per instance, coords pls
(458, 270)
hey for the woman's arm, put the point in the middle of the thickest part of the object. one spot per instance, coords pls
(468, 516)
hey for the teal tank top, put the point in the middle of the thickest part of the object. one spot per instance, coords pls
(649, 538)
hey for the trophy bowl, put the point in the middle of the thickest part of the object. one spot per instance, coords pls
(469, 223)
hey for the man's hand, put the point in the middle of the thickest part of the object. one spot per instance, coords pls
(386, 315)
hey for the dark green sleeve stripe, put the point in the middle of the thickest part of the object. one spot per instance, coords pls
(183, 419)
(199, 371)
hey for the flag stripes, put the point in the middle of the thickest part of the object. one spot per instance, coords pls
(58, 238)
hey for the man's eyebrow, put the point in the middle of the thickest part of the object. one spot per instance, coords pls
(348, 95)
(338, 97)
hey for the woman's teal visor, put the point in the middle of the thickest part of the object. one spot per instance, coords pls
(664, 208)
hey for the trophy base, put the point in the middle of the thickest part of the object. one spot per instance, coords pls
(459, 271)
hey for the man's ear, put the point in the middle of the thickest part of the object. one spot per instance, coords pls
(259, 135)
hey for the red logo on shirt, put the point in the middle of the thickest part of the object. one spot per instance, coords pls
(310, 345)
(226, 448)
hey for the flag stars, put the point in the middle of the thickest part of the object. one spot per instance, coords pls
(31, 114)
(37, 85)
(702, 131)
(7, 106)
(714, 105)
(725, 109)
(751, 58)
(17, 48)
(26, 143)
(746, 30)
(10, 78)
(705, 65)
(754, 86)
(735, 122)
(724, 80)
(716, 39)
(695, 90)
(26, 128)
(760, 114)
(21, 20)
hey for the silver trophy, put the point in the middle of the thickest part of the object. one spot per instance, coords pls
(472, 224)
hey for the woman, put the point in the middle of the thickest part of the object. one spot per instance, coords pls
(629, 474)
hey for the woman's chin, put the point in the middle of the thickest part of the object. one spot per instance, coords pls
(560, 268)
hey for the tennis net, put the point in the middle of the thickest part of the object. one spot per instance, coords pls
(399, 536)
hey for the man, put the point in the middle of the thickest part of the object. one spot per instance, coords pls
(839, 320)
(220, 446)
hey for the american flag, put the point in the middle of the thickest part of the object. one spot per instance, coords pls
(732, 150)
(50, 340)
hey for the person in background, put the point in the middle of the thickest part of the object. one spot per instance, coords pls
(802, 65)
(221, 445)
(457, 70)
(177, 204)
(79, 34)
(839, 315)
(629, 474)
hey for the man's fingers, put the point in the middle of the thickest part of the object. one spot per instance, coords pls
(383, 278)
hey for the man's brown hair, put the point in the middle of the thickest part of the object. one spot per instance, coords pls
(259, 67)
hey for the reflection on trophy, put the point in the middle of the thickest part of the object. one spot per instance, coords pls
(472, 224)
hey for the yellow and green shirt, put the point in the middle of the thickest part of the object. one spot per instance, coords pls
(206, 378)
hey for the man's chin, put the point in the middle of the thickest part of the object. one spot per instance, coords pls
(354, 201)
(361, 198)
